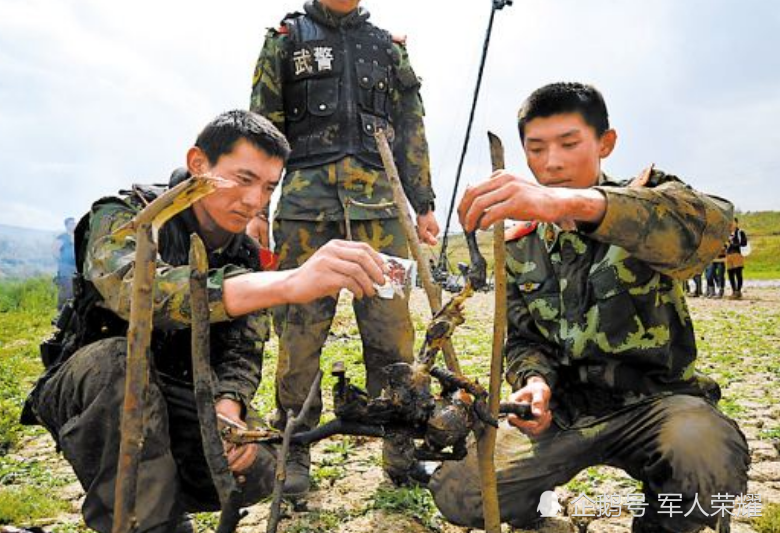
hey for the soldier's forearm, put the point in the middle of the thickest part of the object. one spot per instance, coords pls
(581, 205)
(674, 229)
(254, 291)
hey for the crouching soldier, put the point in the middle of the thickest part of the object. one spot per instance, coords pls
(600, 340)
(79, 399)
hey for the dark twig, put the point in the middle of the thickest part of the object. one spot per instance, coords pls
(281, 456)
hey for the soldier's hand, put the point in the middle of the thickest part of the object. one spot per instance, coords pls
(506, 196)
(428, 228)
(240, 458)
(354, 266)
(537, 393)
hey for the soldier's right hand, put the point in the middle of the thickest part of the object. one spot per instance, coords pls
(354, 266)
(536, 392)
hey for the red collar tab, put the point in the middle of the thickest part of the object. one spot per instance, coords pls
(520, 230)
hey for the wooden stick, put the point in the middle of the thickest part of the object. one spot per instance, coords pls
(203, 384)
(423, 269)
(486, 442)
(281, 457)
(139, 336)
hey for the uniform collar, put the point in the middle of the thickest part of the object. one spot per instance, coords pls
(323, 16)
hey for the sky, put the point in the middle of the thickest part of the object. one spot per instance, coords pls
(96, 95)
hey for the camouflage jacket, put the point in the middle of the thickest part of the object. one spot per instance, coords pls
(600, 312)
(108, 265)
(322, 192)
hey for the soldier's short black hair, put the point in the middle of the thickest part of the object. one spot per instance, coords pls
(565, 97)
(221, 134)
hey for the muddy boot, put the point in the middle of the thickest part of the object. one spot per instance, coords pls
(298, 481)
(400, 465)
(720, 293)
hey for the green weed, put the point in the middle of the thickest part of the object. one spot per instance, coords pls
(205, 522)
(769, 521)
(23, 505)
(414, 502)
(318, 522)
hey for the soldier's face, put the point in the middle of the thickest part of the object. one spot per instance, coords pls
(564, 151)
(255, 175)
(341, 6)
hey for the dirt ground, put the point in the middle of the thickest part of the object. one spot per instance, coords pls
(739, 344)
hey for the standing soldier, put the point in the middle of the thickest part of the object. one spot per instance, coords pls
(328, 79)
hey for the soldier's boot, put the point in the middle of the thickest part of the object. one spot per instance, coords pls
(298, 479)
(399, 463)
(720, 293)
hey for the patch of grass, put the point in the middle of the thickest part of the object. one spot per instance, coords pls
(318, 522)
(36, 294)
(26, 311)
(763, 231)
(586, 481)
(343, 447)
(414, 502)
(205, 522)
(23, 505)
(769, 521)
(731, 407)
(769, 433)
(326, 475)
(31, 472)
(71, 527)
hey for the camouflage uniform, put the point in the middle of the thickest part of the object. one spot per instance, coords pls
(79, 399)
(600, 314)
(329, 110)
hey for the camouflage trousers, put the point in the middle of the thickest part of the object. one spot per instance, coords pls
(673, 445)
(385, 326)
(81, 406)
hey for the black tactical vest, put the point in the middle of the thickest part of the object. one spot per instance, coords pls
(337, 82)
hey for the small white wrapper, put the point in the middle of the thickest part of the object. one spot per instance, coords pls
(400, 279)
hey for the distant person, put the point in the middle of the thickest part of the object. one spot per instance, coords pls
(62, 249)
(694, 292)
(716, 276)
(735, 261)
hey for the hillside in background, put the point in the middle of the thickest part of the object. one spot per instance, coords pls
(26, 252)
(762, 228)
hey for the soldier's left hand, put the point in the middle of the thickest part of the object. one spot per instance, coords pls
(509, 196)
(428, 228)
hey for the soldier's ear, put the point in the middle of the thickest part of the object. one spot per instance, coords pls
(607, 143)
(197, 162)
